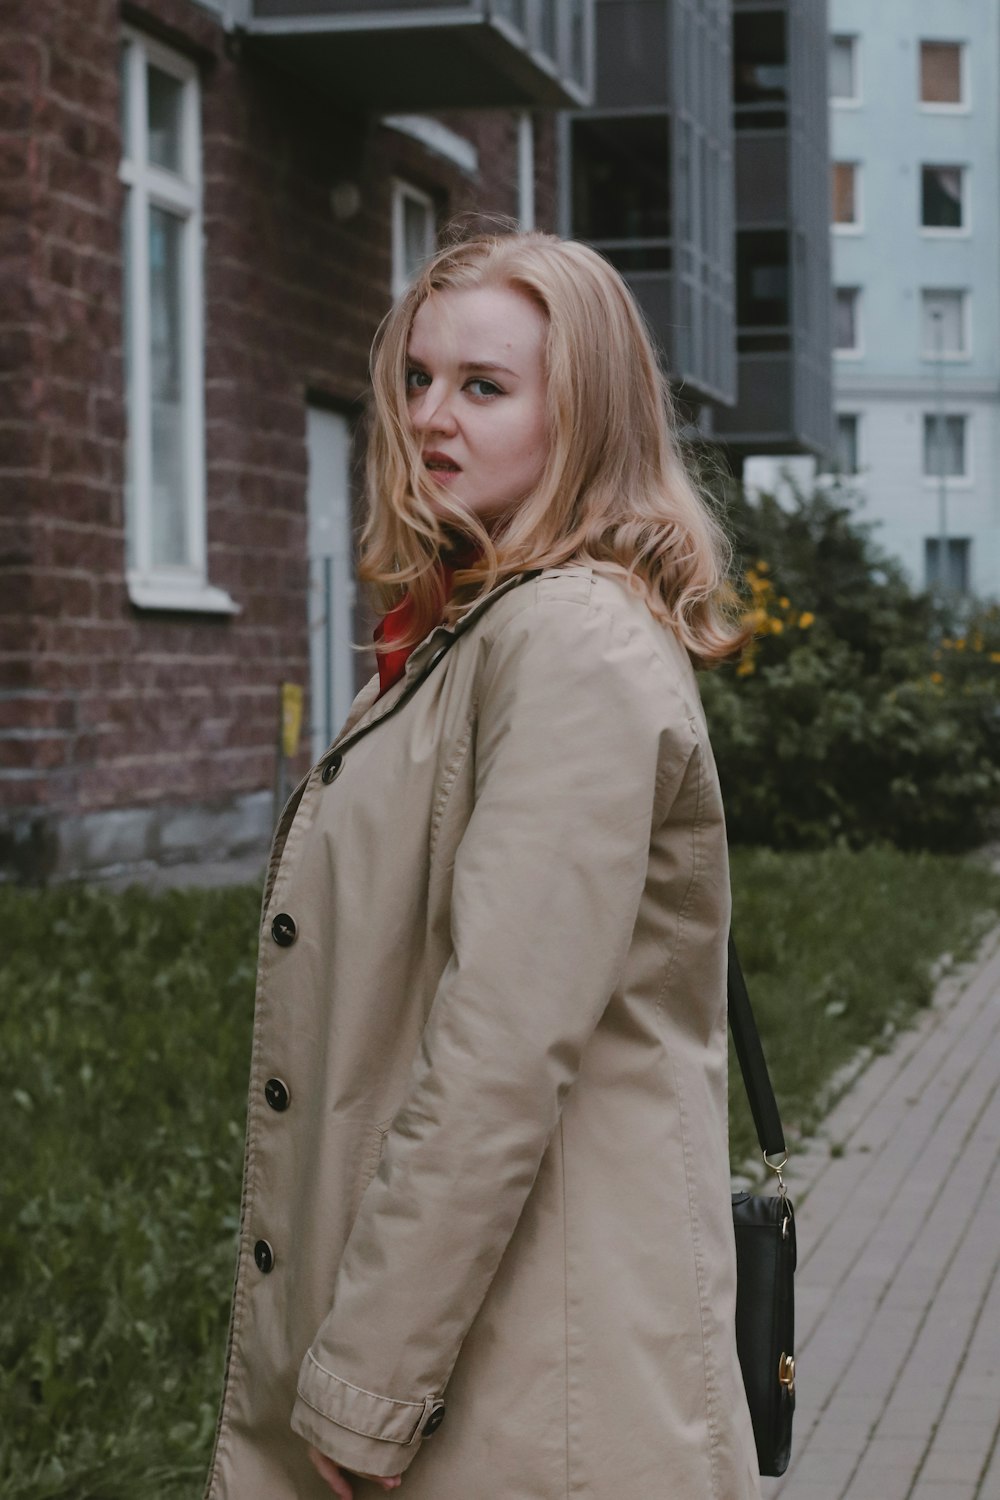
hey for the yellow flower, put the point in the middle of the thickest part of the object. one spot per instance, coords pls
(746, 667)
(776, 626)
(936, 677)
(977, 642)
(946, 643)
(995, 656)
(806, 618)
(763, 567)
(784, 603)
(960, 643)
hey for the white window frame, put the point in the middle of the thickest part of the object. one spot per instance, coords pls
(850, 101)
(964, 72)
(938, 231)
(857, 349)
(963, 355)
(859, 440)
(962, 481)
(857, 225)
(401, 191)
(186, 586)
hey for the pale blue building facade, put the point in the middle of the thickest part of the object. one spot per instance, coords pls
(915, 146)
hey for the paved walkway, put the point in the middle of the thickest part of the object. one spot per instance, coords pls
(898, 1286)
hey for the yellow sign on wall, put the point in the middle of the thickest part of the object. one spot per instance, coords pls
(291, 718)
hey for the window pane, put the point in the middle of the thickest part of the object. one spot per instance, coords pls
(943, 323)
(762, 278)
(418, 234)
(843, 83)
(760, 61)
(168, 520)
(846, 318)
(944, 446)
(847, 443)
(957, 551)
(621, 178)
(164, 95)
(940, 72)
(845, 205)
(942, 197)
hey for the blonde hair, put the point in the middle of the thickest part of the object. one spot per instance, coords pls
(614, 492)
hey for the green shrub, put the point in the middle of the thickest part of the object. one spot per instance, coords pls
(861, 711)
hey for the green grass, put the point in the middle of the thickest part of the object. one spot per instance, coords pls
(125, 1033)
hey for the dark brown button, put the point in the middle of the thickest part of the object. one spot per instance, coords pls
(434, 1420)
(276, 1094)
(283, 930)
(264, 1256)
(333, 768)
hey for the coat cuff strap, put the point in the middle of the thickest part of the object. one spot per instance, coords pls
(333, 1414)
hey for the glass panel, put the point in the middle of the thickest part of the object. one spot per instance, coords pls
(957, 552)
(940, 72)
(418, 234)
(845, 206)
(577, 60)
(169, 518)
(654, 257)
(510, 10)
(547, 28)
(760, 59)
(847, 444)
(631, 54)
(621, 177)
(846, 317)
(164, 99)
(942, 198)
(944, 325)
(762, 282)
(843, 75)
(944, 446)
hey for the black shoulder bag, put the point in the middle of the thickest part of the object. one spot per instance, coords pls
(765, 1254)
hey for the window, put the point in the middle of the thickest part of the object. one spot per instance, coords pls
(942, 204)
(163, 331)
(945, 446)
(847, 451)
(762, 278)
(944, 324)
(621, 188)
(760, 70)
(414, 233)
(844, 80)
(956, 552)
(846, 194)
(847, 320)
(942, 75)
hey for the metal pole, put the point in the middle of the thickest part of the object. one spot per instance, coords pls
(327, 649)
(938, 316)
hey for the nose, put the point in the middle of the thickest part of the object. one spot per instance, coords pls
(431, 411)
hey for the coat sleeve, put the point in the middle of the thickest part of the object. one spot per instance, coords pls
(581, 741)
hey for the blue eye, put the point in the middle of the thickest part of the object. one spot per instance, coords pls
(415, 380)
(493, 389)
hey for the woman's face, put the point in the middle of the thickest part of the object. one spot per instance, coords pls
(475, 384)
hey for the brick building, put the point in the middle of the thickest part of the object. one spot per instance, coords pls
(201, 230)
(206, 207)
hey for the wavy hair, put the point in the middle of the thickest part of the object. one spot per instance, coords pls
(614, 493)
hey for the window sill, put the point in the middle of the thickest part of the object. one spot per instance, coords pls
(186, 598)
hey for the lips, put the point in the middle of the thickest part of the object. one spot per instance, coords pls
(440, 463)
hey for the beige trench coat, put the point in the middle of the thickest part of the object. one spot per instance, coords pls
(487, 1145)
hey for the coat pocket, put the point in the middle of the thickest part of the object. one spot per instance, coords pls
(369, 1157)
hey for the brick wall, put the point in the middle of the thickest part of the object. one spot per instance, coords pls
(105, 708)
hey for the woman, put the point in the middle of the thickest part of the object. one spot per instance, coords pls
(487, 1180)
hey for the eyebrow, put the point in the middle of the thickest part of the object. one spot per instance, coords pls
(476, 364)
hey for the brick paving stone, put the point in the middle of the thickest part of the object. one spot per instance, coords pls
(898, 1289)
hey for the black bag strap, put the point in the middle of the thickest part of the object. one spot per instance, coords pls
(753, 1065)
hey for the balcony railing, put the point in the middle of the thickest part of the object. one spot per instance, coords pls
(388, 55)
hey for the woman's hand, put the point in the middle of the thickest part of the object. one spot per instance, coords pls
(336, 1477)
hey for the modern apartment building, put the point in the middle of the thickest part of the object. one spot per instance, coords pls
(700, 170)
(915, 129)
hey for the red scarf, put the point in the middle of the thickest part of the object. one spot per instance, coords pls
(394, 625)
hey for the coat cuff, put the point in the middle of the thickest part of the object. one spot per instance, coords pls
(357, 1428)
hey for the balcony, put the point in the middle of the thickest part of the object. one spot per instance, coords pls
(403, 55)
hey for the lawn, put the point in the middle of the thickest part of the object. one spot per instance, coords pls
(125, 1030)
